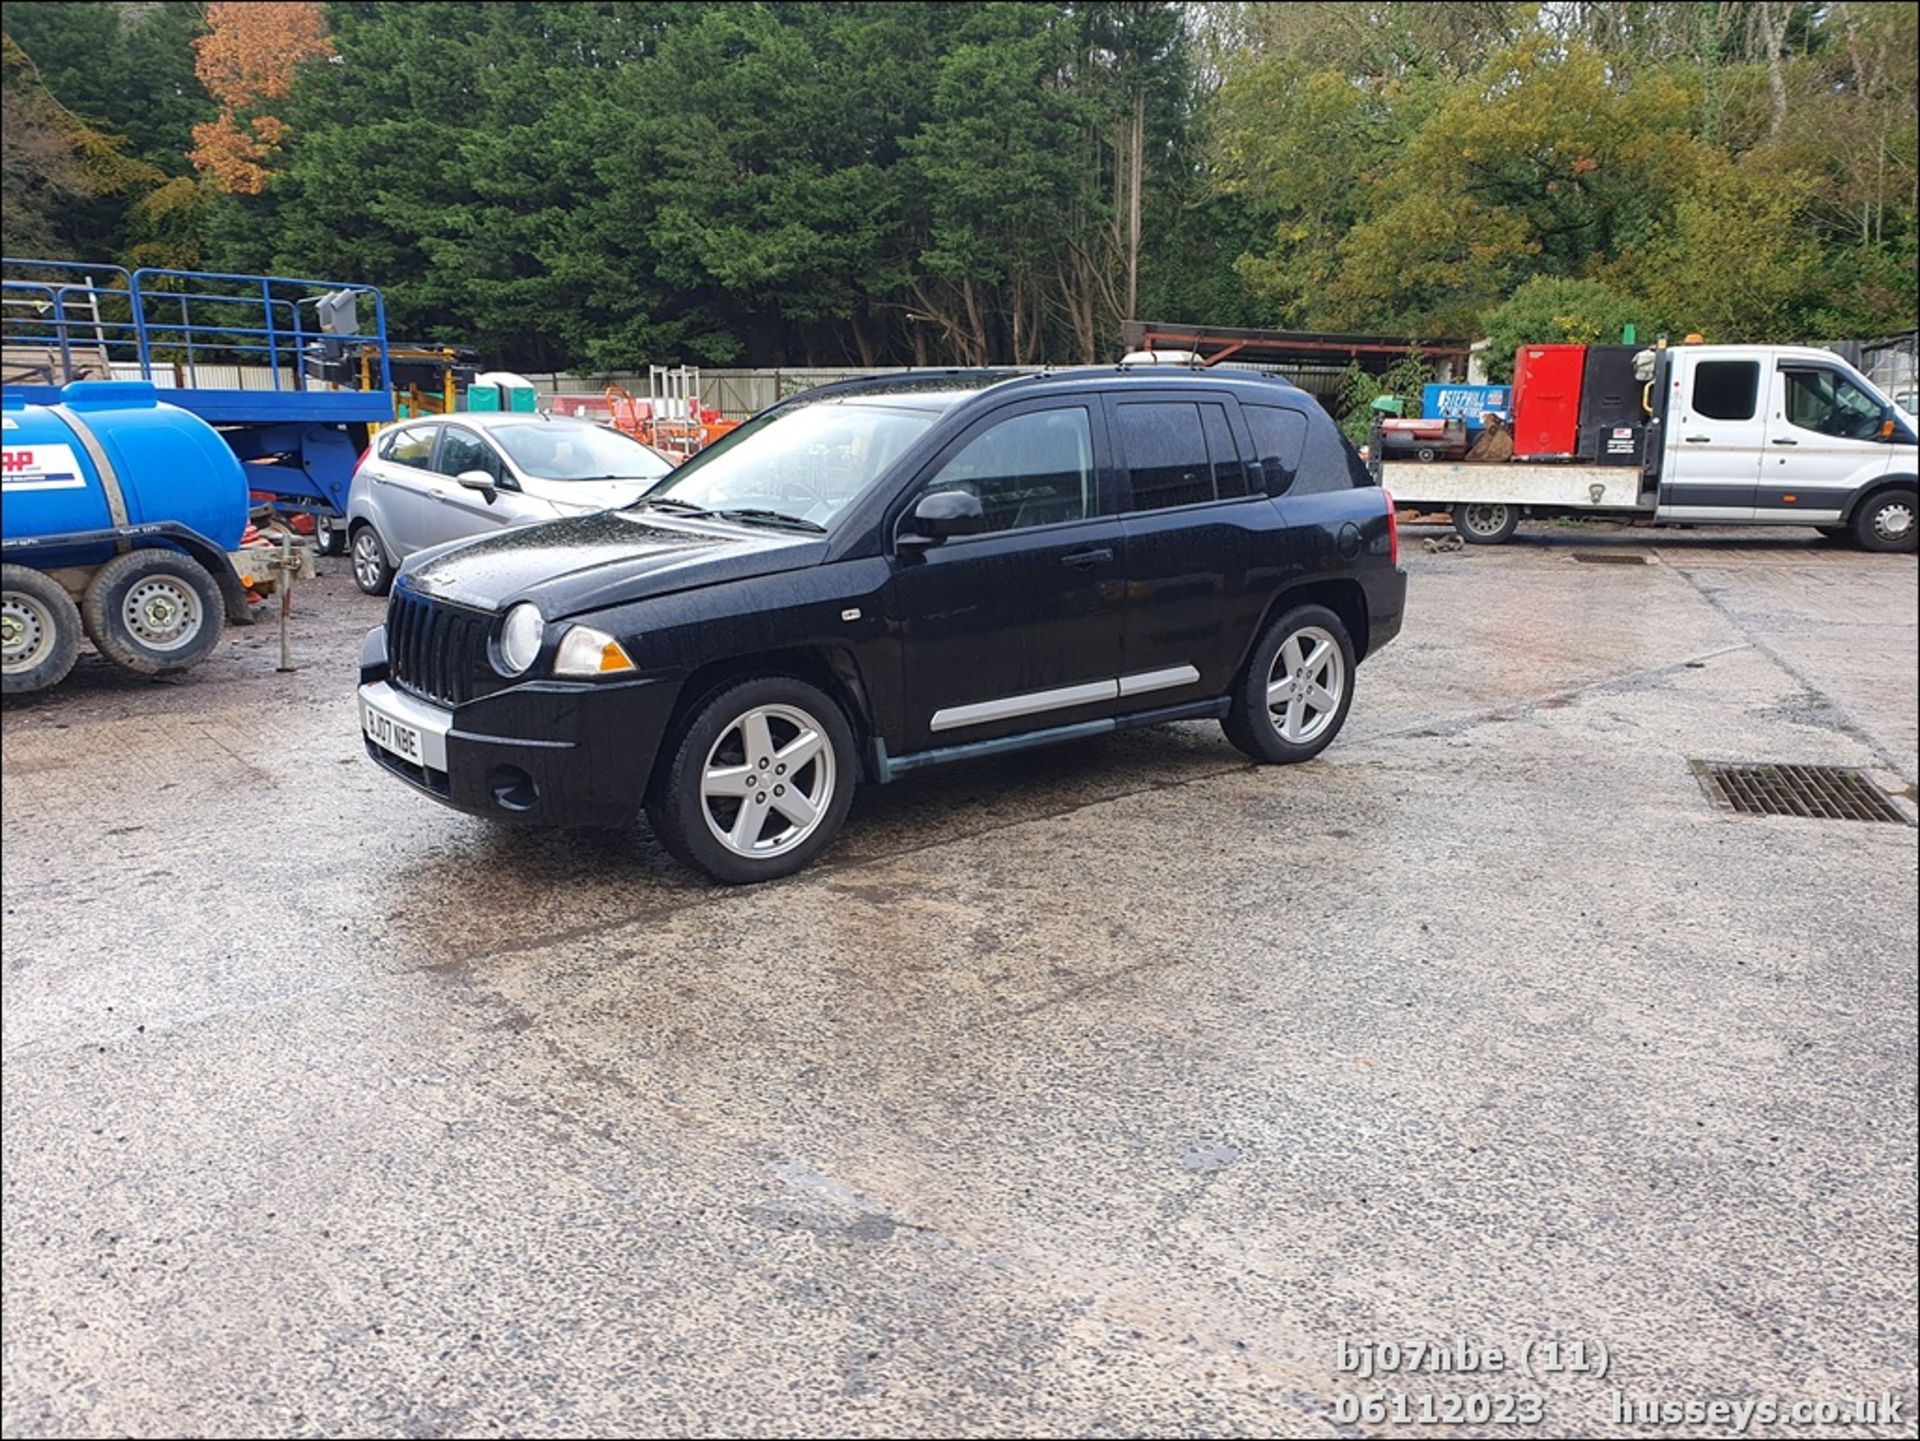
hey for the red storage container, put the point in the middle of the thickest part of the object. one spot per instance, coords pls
(1546, 400)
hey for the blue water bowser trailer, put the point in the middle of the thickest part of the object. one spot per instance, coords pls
(118, 513)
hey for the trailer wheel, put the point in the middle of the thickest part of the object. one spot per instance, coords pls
(39, 631)
(1428, 454)
(1481, 523)
(153, 611)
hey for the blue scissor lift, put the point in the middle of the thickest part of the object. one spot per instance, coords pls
(284, 368)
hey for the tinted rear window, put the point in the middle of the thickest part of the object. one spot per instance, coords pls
(1166, 451)
(1279, 435)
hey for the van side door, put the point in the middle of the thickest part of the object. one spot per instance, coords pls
(1823, 442)
(1716, 432)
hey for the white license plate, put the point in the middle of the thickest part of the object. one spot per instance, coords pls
(391, 735)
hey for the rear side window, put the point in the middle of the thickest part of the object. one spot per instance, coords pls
(411, 445)
(1279, 437)
(1726, 389)
(1229, 470)
(1166, 450)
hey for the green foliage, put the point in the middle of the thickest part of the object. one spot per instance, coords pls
(1406, 378)
(1549, 311)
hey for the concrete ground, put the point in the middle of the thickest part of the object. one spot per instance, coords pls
(1100, 1090)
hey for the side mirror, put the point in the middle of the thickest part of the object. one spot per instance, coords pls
(1888, 425)
(942, 516)
(478, 480)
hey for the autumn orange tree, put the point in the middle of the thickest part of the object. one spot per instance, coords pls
(247, 58)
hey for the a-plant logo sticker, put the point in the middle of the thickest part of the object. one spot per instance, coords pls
(40, 467)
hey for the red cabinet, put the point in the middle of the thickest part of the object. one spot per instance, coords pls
(1546, 400)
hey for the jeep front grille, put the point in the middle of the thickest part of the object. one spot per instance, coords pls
(435, 650)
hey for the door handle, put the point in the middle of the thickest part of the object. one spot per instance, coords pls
(438, 494)
(1699, 440)
(1086, 559)
(1786, 442)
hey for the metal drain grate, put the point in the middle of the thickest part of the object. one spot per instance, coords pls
(1829, 793)
(1611, 557)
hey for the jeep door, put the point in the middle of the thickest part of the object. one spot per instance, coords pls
(1195, 521)
(1017, 628)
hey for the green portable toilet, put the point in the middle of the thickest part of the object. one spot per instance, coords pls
(502, 390)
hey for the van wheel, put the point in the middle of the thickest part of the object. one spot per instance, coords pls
(153, 611)
(1486, 524)
(1296, 691)
(39, 631)
(371, 572)
(758, 782)
(1886, 522)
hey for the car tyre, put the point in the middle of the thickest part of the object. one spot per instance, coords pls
(372, 571)
(1484, 523)
(757, 782)
(39, 628)
(153, 612)
(328, 538)
(1293, 697)
(1887, 522)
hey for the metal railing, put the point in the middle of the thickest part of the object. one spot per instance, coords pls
(65, 320)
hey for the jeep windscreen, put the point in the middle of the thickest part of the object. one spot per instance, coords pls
(577, 450)
(794, 467)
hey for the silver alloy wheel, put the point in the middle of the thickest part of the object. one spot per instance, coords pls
(1484, 519)
(26, 632)
(767, 783)
(1894, 520)
(1304, 688)
(163, 613)
(368, 562)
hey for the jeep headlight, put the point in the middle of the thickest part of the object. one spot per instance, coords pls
(586, 652)
(520, 637)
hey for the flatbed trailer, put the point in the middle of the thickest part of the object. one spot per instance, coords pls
(1732, 435)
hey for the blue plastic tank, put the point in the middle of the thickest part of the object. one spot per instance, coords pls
(171, 466)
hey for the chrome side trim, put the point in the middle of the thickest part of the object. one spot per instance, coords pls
(1007, 707)
(981, 712)
(1167, 679)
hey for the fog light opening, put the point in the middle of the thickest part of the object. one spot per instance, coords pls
(513, 789)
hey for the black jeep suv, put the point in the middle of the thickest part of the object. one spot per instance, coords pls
(885, 574)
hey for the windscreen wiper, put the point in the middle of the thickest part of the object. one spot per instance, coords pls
(772, 517)
(668, 502)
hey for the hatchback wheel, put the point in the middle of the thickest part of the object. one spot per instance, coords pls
(1297, 688)
(758, 781)
(371, 572)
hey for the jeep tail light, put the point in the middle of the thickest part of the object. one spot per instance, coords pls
(1393, 530)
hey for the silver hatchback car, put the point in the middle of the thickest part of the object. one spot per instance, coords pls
(452, 476)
